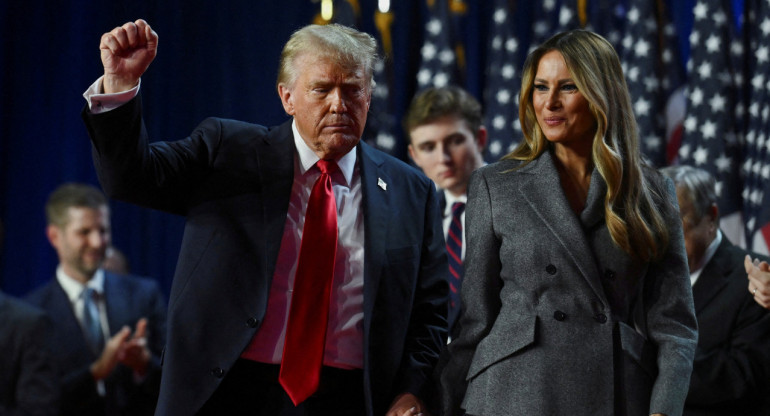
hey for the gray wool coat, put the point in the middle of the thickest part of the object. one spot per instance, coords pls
(558, 319)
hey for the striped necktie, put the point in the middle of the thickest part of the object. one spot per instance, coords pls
(454, 248)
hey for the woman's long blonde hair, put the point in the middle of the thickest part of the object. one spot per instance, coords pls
(632, 215)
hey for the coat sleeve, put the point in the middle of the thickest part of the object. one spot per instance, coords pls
(670, 314)
(158, 175)
(481, 288)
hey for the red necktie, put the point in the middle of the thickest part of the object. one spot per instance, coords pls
(303, 349)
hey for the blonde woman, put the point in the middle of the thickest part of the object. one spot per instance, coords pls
(576, 293)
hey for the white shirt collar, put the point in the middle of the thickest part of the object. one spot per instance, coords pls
(451, 199)
(710, 250)
(308, 158)
(74, 289)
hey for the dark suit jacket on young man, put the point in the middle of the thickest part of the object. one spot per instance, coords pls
(127, 299)
(731, 362)
(233, 180)
(28, 381)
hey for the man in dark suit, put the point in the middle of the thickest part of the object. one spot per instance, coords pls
(446, 140)
(731, 361)
(29, 384)
(373, 318)
(108, 329)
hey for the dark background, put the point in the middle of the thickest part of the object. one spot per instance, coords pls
(214, 59)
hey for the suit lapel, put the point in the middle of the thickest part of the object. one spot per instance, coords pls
(713, 277)
(441, 201)
(376, 208)
(557, 216)
(275, 158)
(117, 304)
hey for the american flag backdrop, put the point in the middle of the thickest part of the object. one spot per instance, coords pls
(501, 94)
(712, 138)
(756, 162)
(439, 61)
(650, 66)
(551, 17)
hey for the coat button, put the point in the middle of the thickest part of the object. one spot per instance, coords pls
(609, 274)
(218, 372)
(551, 269)
(252, 322)
(559, 315)
(600, 318)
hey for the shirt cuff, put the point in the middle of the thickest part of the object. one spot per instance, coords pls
(101, 103)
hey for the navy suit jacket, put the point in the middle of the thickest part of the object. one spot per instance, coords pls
(731, 362)
(232, 180)
(28, 381)
(127, 298)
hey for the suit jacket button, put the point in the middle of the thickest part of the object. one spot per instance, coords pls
(559, 315)
(551, 269)
(600, 318)
(252, 322)
(609, 274)
(218, 372)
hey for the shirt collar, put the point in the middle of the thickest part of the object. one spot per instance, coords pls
(451, 199)
(308, 158)
(74, 289)
(710, 250)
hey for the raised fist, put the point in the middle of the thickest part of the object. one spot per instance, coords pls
(126, 52)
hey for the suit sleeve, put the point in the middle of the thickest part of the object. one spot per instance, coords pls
(160, 175)
(481, 288)
(37, 390)
(671, 323)
(735, 370)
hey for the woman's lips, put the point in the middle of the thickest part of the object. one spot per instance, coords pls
(553, 121)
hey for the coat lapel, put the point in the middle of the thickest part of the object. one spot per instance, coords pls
(117, 303)
(713, 278)
(557, 216)
(376, 206)
(275, 158)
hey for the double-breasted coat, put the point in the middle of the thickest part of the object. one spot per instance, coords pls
(557, 318)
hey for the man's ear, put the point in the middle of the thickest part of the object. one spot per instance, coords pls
(287, 98)
(411, 151)
(481, 138)
(54, 234)
(713, 213)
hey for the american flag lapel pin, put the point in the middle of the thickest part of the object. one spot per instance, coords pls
(382, 184)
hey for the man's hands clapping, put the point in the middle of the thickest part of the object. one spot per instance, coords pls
(126, 349)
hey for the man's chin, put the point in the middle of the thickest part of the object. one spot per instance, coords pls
(90, 269)
(447, 183)
(340, 144)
